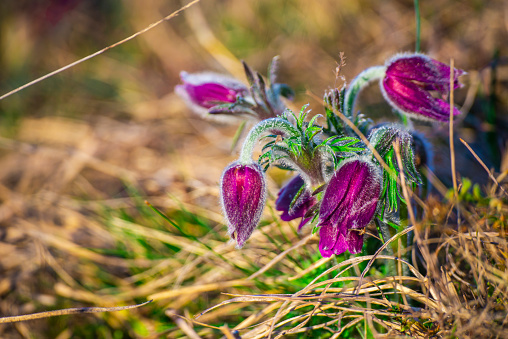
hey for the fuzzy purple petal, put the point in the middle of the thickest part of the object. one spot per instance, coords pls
(303, 222)
(354, 241)
(286, 196)
(349, 203)
(337, 190)
(210, 94)
(203, 91)
(420, 68)
(409, 81)
(243, 195)
(410, 98)
(341, 245)
(328, 235)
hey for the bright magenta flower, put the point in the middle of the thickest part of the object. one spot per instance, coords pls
(243, 197)
(348, 205)
(203, 91)
(408, 83)
(297, 209)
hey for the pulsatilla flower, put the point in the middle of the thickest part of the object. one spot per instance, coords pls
(243, 196)
(203, 91)
(409, 81)
(348, 205)
(294, 201)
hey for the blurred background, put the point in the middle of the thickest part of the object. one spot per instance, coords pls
(81, 152)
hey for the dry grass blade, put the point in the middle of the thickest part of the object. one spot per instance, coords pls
(199, 289)
(49, 75)
(484, 166)
(452, 145)
(376, 255)
(182, 324)
(67, 311)
(312, 267)
(280, 256)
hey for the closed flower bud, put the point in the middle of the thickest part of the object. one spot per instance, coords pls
(408, 81)
(348, 205)
(294, 200)
(203, 91)
(243, 196)
(382, 138)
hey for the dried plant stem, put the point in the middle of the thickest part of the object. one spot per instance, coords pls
(182, 324)
(49, 75)
(385, 234)
(452, 146)
(405, 191)
(403, 183)
(484, 166)
(68, 311)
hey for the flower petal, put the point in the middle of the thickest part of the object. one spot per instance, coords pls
(337, 190)
(354, 241)
(202, 91)
(421, 68)
(411, 99)
(327, 239)
(243, 196)
(348, 205)
(300, 207)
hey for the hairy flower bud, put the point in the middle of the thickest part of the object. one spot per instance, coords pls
(243, 196)
(408, 81)
(203, 91)
(348, 205)
(382, 138)
(294, 200)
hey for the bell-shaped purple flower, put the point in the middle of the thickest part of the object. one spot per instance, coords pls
(203, 91)
(408, 83)
(243, 197)
(294, 201)
(348, 205)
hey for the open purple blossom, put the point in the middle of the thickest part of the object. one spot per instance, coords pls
(291, 208)
(243, 196)
(409, 80)
(348, 205)
(203, 91)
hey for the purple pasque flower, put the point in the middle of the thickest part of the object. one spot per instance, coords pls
(243, 197)
(203, 91)
(348, 205)
(291, 208)
(408, 83)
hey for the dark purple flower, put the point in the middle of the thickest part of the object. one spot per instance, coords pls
(410, 78)
(348, 205)
(297, 209)
(203, 91)
(243, 196)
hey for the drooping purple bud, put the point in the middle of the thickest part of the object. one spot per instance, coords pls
(203, 91)
(410, 78)
(294, 200)
(348, 205)
(243, 196)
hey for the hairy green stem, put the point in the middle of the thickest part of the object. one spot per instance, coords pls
(276, 125)
(359, 83)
